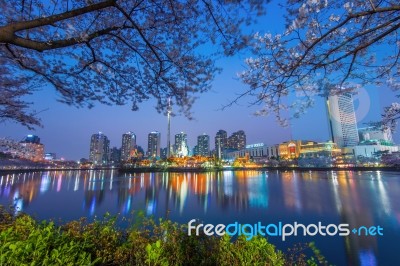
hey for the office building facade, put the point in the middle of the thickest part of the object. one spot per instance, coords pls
(342, 120)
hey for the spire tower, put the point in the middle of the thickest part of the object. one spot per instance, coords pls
(169, 110)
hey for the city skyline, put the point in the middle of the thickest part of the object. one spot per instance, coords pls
(270, 133)
(75, 126)
(132, 130)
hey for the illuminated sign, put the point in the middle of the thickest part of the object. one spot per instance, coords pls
(254, 145)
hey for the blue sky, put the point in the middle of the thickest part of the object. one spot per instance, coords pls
(67, 130)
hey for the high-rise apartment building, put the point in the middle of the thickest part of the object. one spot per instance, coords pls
(237, 141)
(99, 149)
(203, 145)
(164, 153)
(115, 155)
(342, 120)
(128, 145)
(221, 139)
(153, 144)
(32, 149)
(181, 146)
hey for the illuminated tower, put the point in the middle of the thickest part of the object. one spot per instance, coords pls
(169, 111)
(342, 120)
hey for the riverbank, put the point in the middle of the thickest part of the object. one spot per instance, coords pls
(264, 168)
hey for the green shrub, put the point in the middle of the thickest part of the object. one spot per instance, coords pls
(27, 243)
(23, 241)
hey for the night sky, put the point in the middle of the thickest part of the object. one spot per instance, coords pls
(67, 130)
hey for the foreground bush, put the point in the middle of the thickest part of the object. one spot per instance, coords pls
(24, 241)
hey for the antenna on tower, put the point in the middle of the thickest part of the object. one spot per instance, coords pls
(169, 111)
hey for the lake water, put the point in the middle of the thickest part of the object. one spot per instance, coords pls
(369, 198)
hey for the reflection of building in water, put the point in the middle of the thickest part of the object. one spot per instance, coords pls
(258, 191)
(94, 192)
(224, 188)
(297, 184)
(203, 186)
(131, 188)
(357, 198)
(158, 190)
(240, 197)
(242, 189)
(178, 185)
(351, 207)
(25, 187)
(152, 193)
(128, 188)
(92, 199)
(21, 189)
(237, 189)
(291, 190)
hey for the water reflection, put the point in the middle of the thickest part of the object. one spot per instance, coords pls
(355, 198)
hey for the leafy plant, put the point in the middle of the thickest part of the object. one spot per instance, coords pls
(24, 241)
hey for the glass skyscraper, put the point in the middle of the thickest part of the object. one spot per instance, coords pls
(342, 120)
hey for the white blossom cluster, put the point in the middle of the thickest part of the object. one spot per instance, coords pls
(327, 48)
